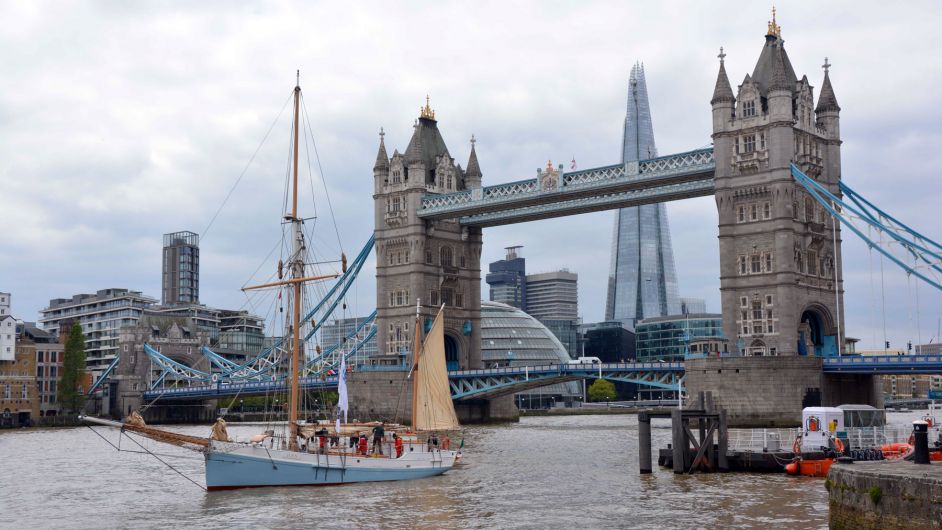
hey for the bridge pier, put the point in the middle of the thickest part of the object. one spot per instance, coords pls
(387, 396)
(771, 391)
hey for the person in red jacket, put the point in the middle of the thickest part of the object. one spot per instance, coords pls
(362, 446)
(398, 441)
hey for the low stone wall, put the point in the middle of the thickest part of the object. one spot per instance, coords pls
(885, 495)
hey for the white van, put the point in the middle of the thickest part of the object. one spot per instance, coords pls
(586, 360)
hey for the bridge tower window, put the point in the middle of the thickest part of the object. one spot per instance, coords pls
(749, 108)
(447, 257)
(749, 143)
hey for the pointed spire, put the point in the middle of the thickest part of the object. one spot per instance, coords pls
(474, 170)
(723, 91)
(779, 78)
(382, 161)
(827, 101)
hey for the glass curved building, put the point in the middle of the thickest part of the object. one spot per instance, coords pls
(510, 337)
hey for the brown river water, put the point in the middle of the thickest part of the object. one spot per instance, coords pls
(544, 472)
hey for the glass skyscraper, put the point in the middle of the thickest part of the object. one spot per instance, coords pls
(642, 282)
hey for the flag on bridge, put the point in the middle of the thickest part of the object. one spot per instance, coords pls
(572, 165)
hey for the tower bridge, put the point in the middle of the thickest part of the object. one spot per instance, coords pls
(781, 278)
(775, 172)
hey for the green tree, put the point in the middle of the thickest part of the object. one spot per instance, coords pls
(71, 394)
(601, 390)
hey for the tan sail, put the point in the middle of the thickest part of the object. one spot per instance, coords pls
(433, 406)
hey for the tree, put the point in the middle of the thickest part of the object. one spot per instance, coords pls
(71, 394)
(601, 390)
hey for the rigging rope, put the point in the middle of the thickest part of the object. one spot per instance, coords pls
(242, 174)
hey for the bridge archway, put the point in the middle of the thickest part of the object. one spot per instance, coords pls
(452, 352)
(816, 334)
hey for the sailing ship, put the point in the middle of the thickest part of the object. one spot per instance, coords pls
(300, 457)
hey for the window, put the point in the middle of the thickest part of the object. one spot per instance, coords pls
(809, 210)
(463, 261)
(742, 268)
(766, 210)
(749, 143)
(756, 267)
(428, 257)
(749, 108)
(392, 299)
(801, 262)
(39, 356)
(743, 301)
(756, 310)
(448, 296)
(812, 263)
(753, 212)
(768, 262)
(742, 214)
(433, 298)
(737, 145)
(399, 297)
(768, 299)
(762, 141)
(772, 351)
(25, 392)
(39, 371)
(447, 257)
(7, 391)
(459, 300)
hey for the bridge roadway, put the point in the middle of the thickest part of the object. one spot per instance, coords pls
(465, 384)
(494, 382)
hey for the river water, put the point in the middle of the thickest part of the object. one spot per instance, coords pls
(544, 472)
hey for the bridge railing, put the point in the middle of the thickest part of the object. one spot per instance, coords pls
(653, 169)
(569, 368)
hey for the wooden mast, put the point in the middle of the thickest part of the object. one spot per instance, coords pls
(297, 278)
(297, 273)
(415, 363)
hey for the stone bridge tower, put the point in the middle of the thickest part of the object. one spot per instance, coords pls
(436, 262)
(780, 270)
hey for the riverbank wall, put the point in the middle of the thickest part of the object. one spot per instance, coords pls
(885, 495)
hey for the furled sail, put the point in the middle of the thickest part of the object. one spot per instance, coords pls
(433, 409)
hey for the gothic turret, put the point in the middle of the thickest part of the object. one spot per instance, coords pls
(780, 87)
(723, 100)
(472, 176)
(382, 161)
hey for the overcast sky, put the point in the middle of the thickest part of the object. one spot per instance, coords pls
(121, 121)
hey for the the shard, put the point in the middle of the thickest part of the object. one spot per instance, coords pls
(642, 281)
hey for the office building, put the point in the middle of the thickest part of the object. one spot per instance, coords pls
(507, 279)
(333, 334)
(642, 281)
(101, 316)
(181, 269)
(668, 338)
(553, 295)
(610, 341)
(5, 303)
(692, 305)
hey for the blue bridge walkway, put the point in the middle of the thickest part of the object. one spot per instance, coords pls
(475, 384)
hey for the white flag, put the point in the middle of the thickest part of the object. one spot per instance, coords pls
(342, 389)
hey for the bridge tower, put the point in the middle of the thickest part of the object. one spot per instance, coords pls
(780, 261)
(780, 271)
(434, 261)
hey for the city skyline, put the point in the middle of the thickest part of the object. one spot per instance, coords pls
(156, 144)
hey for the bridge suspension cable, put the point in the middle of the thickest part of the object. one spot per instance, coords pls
(860, 216)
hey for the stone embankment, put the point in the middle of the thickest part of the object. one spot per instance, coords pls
(885, 495)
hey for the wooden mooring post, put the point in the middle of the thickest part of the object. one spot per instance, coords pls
(706, 452)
